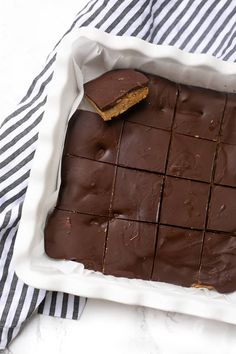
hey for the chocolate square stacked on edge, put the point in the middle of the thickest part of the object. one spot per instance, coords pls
(152, 195)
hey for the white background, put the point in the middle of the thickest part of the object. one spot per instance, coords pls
(28, 31)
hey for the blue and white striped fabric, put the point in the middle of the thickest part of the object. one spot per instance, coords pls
(204, 26)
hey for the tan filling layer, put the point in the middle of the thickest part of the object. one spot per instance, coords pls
(129, 100)
(209, 287)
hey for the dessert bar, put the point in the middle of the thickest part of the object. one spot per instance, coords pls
(151, 194)
(116, 91)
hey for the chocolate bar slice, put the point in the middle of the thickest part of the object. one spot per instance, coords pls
(115, 91)
(218, 266)
(65, 237)
(177, 256)
(130, 249)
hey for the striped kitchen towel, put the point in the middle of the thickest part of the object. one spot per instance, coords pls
(204, 26)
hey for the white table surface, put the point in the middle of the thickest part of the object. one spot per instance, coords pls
(28, 31)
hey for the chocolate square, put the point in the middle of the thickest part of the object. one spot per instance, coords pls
(184, 203)
(222, 210)
(191, 158)
(178, 255)
(136, 195)
(111, 86)
(89, 136)
(199, 112)
(218, 267)
(130, 249)
(76, 237)
(86, 186)
(229, 121)
(226, 165)
(144, 147)
(157, 110)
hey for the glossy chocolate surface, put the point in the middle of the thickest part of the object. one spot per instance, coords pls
(76, 237)
(222, 210)
(107, 89)
(93, 138)
(157, 110)
(199, 112)
(147, 147)
(228, 134)
(191, 158)
(177, 256)
(152, 194)
(225, 173)
(137, 195)
(218, 262)
(184, 203)
(130, 249)
(86, 186)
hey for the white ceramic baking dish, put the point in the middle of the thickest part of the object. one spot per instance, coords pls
(83, 55)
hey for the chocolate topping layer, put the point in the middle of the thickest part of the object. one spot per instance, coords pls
(184, 203)
(177, 256)
(147, 147)
(107, 89)
(199, 112)
(76, 237)
(86, 186)
(93, 138)
(130, 249)
(152, 195)
(222, 209)
(136, 195)
(228, 134)
(191, 158)
(218, 262)
(226, 165)
(157, 110)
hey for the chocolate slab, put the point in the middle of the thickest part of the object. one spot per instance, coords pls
(107, 89)
(86, 186)
(177, 256)
(157, 110)
(199, 112)
(218, 268)
(222, 210)
(229, 121)
(89, 136)
(167, 164)
(184, 203)
(191, 158)
(76, 237)
(226, 165)
(130, 249)
(144, 147)
(136, 195)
